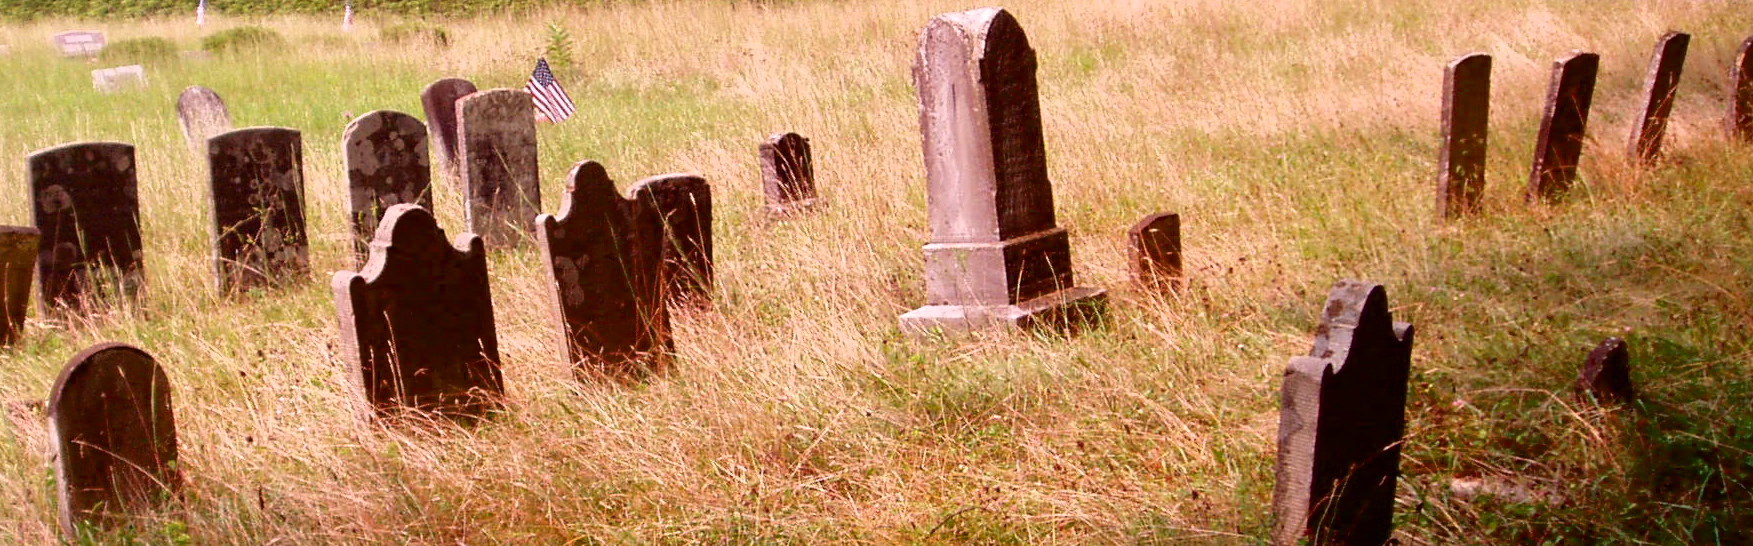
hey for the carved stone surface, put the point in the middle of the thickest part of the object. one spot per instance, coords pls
(1658, 92)
(1466, 114)
(86, 204)
(497, 143)
(417, 320)
(1560, 144)
(202, 115)
(788, 175)
(258, 207)
(1741, 93)
(997, 255)
(1606, 376)
(1155, 252)
(684, 203)
(79, 43)
(440, 102)
(18, 260)
(110, 80)
(1342, 418)
(605, 253)
(386, 166)
(115, 436)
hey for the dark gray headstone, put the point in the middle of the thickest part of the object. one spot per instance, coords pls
(202, 115)
(788, 175)
(440, 102)
(417, 320)
(605, 253)
(86, 205)
(115, 436)
(258, 207)
(1466, 114)
(684, 202)
(386, 166)
(997, 255)
(18, 260)
(1606, 375)
(1560, 144)
(497, 143)
(1658, 92)
(1155, 252)
(1741, 93)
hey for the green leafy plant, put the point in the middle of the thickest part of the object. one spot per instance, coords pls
(559, 50)
(242, 39)
(415, 32)
(143, 50)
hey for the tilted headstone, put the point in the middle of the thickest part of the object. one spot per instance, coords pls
(684, 202)
(202, 115)
(258, 207)
(997, 255)
(497, 143)
(1606, 375)
(386, 166)
(1741, 93)
(1658, 92)
(1466, 115)
(788, 175)
(1560, 144)
(417, 320)
(79, 43)
(86, 204)
(18, 261)
(440, 102)
(1342, 417)
(110, 80)
(605, 253)
(1155, 252)
(115, 436)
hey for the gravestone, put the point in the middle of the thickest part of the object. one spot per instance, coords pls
(788, 175)
(1606, 375)
(110, 80)
(115, 436)
(439, 99)
(1741, 93)
(1466, 115)
(258, 208)
(605, 253)
(684, 203)
(1155, 252)
(496, 136)
(1658, 92)
(997, 255)
(1560, 144)
(85, 203)
(386, 166)
(79, 43)
(417, 320)
(1342, 417)
(202, 114)
(18, 260)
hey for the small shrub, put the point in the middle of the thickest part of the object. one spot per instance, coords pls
(145, 50)
(559, 50)
(415, 32)
(248, 38)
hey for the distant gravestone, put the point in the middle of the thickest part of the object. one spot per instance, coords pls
(1658, 92)
(997, 255)
(202, 114)
(110, 80)
(1741, 93)
(497, 143)
(79, 43)
(440, 102)
(258, 207)
(115, 436)
(684, 202)
(386, 166)
(1606, 375)
(1155, 252)
(18, 260)
(788, 176)
(1341, 422)
(417, 320)
(605, 253)
(1560, 144)
(1466, 115)
(85, 203)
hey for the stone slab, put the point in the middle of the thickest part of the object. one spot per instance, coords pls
(497, 143)
(439, 99)
(1559, 146)
(202, 115)
(86, 204)
(18, 260)
(788, 174)
(115, 438)
(1466, 117)
(387, 165)
(257, 177)
(684, 203)
(1660, 83)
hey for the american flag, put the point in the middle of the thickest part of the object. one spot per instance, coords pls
(551, 99)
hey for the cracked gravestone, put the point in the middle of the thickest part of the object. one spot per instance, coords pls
(18, 261)
(1659, 85)
(439, 99)
(788, 176)
(386, 166)
(86, 205)
(202, 115)
(1155, 252)
(1466, 114)
(1606, 375)
(258, 208)
(1559, 146)
(115, 437)
(684, 204)
(497, 145)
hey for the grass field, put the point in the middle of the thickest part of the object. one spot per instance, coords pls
(1297, 139)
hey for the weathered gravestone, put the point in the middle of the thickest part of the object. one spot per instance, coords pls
(997, 255)
(1658, 92)
(497, 145)
(1466, 115)
(1560, 144)
(86, 205)
(18, 260)
(110, 80)
(79, 43)
(1606, 375)
(417, 320)
(258, 207)
(440, 102)
(1741, 93)
(202, 114)
(788, 175)
(1155, 252)
(386, 166)
(115, 436)
(606, 255)
(684, 202)
(1341, 421)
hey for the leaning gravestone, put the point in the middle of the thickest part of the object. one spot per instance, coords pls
(386, 166)
(85, 203)
(258, 207)
(79, 43)
(1741, 93)
(1466, 113)
(1341, 421)
(202, 114)
(115, 436)
(788, 176)
(1658, 92)
(110, 80)
(684, 202)
(1155, 252)
(497, 145)
(1606, 375)
(417, 320)
(1560, 144)
(997, 255)
(440, 102)
(18, 259)
(605, 253)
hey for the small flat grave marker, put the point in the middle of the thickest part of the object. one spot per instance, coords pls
(684, 202)
(1606, 375)
(788, 175)
(1560, 144)
(202, 115)
(18, 260)
(1659, 84)
(110, 80)
(258, 208)
(1155, 252)
(386, 166)
(115, 437)
(85, 203)
(1466, 115)
(439, 99)
(1741, 93)
(79, 43)
(497, 143)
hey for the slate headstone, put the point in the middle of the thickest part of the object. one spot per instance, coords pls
(788, 175)
(79, 43)
(258, 208)
(497, 143)
(439, 99)
(1466, 115)
(1606, 375)
(18, 260)
(202, 114)
(1741, 93)
(1155, 252)
(110, 80)
(115, 436)
(1659, 84)
(86, 204)
(1560, 144)
(386, 166)
(684, 203)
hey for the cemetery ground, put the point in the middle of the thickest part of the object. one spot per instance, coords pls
(1298, 141)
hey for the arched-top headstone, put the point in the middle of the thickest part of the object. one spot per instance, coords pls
(386, 166)
(788, 175)
(605, 254)
(258, 207)
(439, 99)
(1560, 144)
(1741, 93)
(417, 320)
(1466, 116)
(1659, 85)
(115, 436)
(85, 203)
(202, 114)
(18, 260)
(684, 202)
(79, 43)
(496, 134)
(1155, 252)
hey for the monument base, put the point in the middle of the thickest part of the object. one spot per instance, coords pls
(1065, 310)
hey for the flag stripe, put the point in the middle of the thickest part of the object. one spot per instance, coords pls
(549, 97)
